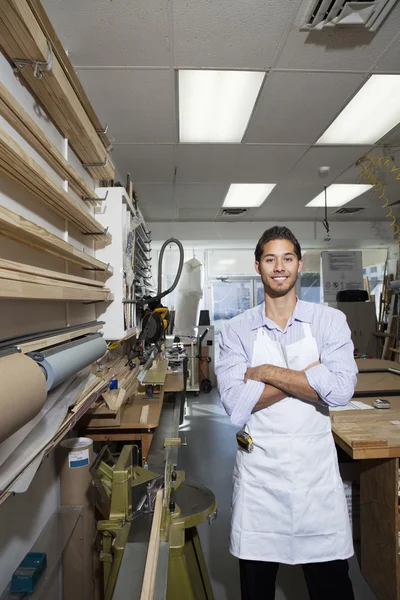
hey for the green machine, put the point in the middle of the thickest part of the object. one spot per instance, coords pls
(126, 499)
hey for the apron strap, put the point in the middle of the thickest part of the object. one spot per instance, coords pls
(307, 330)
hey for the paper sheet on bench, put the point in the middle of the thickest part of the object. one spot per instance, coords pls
(353, 405)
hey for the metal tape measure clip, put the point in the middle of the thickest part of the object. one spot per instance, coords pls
(245, 441)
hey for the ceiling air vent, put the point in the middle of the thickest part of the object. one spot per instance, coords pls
(342, 13)
(348, 211)
(232, 212)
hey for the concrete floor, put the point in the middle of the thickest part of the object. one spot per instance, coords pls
(209, 459)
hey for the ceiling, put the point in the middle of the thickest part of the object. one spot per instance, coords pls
(127, 53)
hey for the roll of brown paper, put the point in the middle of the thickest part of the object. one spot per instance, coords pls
(22, 394)
(76, 456)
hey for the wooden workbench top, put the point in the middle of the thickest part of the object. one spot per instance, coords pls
(378, 439)
(375, 364)
(376, 384)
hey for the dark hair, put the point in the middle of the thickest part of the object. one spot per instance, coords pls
(276, 233)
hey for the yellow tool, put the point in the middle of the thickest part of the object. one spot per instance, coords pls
(163, 313)
(245, 441)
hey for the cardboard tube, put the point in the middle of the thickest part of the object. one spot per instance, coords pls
(76, 456)
(23, 392)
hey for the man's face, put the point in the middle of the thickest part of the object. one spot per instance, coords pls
(279, 267)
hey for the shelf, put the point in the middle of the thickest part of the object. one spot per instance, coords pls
(17, 228)
(53, 540)
(16, 164)
(23, 38)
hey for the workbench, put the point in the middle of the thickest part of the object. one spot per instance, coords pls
(371, 437)
(131, 428)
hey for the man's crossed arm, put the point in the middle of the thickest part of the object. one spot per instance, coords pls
(280, 383)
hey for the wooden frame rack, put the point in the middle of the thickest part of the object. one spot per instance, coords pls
(20, 281)
(19, 166)
(22, 38)
(17, 228)
(13, 112)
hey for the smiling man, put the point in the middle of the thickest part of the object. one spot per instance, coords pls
(282, 364)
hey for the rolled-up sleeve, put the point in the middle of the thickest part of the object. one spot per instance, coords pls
(335, 378)
(238, 398)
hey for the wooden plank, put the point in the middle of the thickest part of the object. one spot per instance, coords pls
(357, 436)
(174, 382)
(9, 265)
(48, 30)
(378, 517)
(377, 383)
(13, 112)
(16, 163)
(375, 364)
(21, 290)
(22, 37)
(153, 549)
(20, 229)
(157, 373)
(53, 340)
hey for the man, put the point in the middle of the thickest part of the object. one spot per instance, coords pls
(282, 365)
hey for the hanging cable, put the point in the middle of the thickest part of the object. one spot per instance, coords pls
(325, 222)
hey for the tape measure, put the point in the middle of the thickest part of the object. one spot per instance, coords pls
(245, 441)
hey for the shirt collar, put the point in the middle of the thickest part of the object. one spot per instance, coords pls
(303, 312)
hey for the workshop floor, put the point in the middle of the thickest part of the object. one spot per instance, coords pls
(208, 459)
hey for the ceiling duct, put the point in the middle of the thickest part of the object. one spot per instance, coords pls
(232, 212)
(349, 210)
(342, 13)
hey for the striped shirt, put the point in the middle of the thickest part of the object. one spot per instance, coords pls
(333, 380)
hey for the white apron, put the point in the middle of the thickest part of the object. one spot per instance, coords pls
(288, 502)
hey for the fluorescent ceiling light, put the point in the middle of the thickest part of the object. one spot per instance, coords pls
(339, 194)
(373, 111)
(215, 106)
(247, 195)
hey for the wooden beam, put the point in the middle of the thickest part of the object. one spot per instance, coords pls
(17, 228)
(7, 266)
(49, 32)
(21, 167)
(13, 112)
(22, 37)
(46, 342)
(23, 290)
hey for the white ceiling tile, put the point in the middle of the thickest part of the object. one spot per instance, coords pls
(266, 164)
(160, 214)
(338, 47)
(229, 33)
(199, 196)
(319, 97)
(338, 158)
(391, 60)
(155, 195)
(197, 214)
(145, 162)
(207, 163)
(119, 32)
(136, 105)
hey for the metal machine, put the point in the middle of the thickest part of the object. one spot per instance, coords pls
(126, 498)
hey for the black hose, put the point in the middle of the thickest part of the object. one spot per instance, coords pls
(160, 262)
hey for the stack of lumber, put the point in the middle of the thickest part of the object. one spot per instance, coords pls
(127, 381)
(108, 410)
(23, 38)
(48, 30)
(17, 228)
(13, 112)
(19, 166)
(21, 281)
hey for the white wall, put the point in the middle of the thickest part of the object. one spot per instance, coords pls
(23, 517)
(311, 234)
